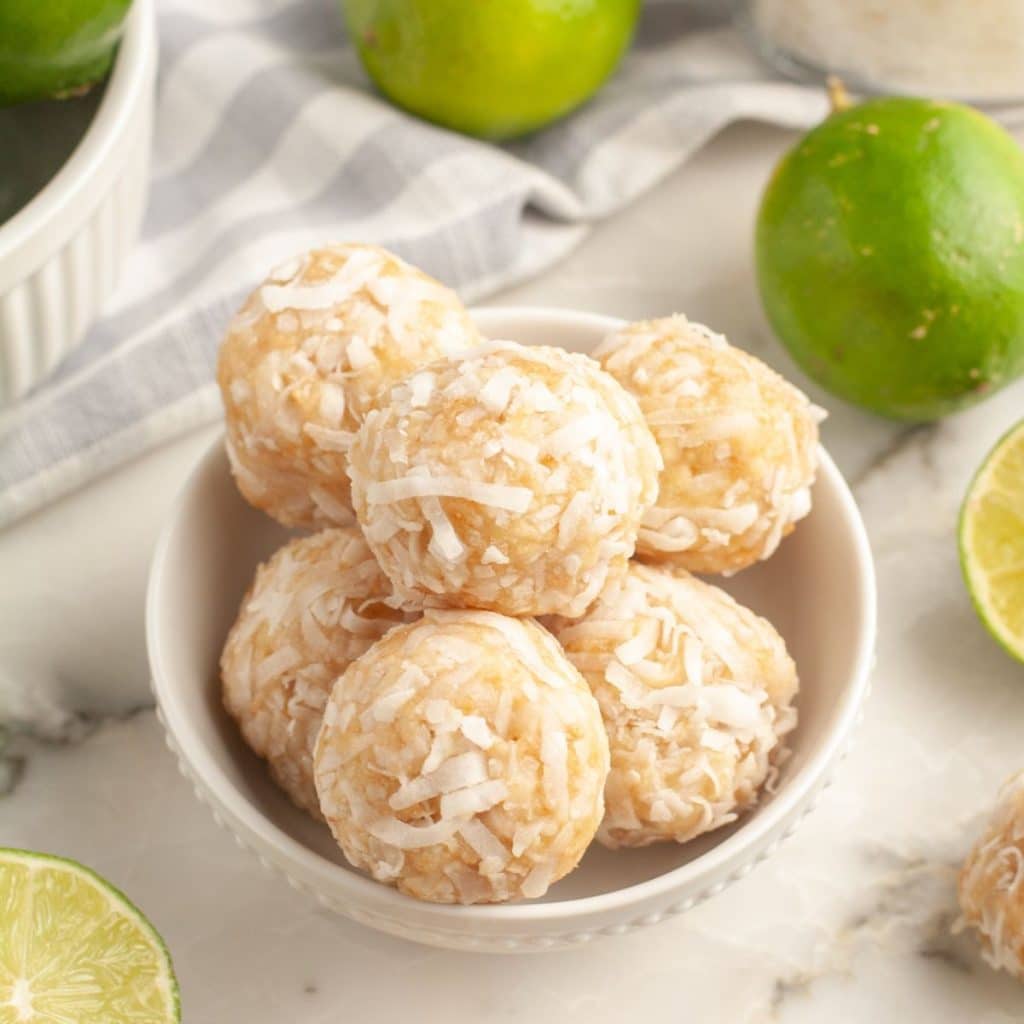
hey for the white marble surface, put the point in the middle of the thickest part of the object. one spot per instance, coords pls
(848, 922)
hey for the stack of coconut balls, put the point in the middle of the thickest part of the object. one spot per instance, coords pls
(391, 668)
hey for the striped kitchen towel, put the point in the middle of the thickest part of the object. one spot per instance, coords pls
(269, 139)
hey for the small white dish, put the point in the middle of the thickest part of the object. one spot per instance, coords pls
(818, 590)
(62, 252)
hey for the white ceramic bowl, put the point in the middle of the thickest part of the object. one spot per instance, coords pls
(818, 590)
(61, 254)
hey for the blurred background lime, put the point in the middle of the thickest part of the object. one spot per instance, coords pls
(492, 68)
(56, 47)
(890, 256)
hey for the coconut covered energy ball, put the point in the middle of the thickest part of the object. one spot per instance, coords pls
(696, 693)
(512, 478)
(992, 883)
(313, 608)
(306, 358)
(462, 759)
(739, 444)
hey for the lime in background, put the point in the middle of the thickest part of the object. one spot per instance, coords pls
(492, 68)
(50, 47)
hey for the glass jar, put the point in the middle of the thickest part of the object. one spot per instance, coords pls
(971, 50)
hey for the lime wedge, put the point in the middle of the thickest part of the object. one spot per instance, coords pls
(73, 950)
(992, 541)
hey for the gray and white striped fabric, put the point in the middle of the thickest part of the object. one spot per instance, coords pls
(269, 140)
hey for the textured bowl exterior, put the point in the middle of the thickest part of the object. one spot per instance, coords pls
(195, 733)
(61, 255)
(541, 935)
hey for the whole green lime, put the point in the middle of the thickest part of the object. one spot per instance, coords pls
(492, 68)
(890, 256)
(56, 47)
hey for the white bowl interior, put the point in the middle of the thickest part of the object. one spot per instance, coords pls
(817, 590)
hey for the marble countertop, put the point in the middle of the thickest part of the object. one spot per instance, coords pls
(848, 922)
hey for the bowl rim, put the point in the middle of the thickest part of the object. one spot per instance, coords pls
(126, 81)
(753, 834)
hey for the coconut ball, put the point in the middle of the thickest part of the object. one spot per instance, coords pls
(739, 444)
(696, 693)
(307, 357)
(992, 882)
(462, 759)
(313, 608)
(512, 479)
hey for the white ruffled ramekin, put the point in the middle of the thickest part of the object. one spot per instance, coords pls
(60, 255)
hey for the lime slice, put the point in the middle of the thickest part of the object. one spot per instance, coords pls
(73, 950)
(992, 541)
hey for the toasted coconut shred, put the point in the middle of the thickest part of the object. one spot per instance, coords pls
(739, 444)
(510, 478)
(696, 693)
(462, 759)
(991, 881)
(305, 359)
(314, 607)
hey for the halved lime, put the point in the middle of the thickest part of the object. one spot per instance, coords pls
(992, 541)
(74, 950)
